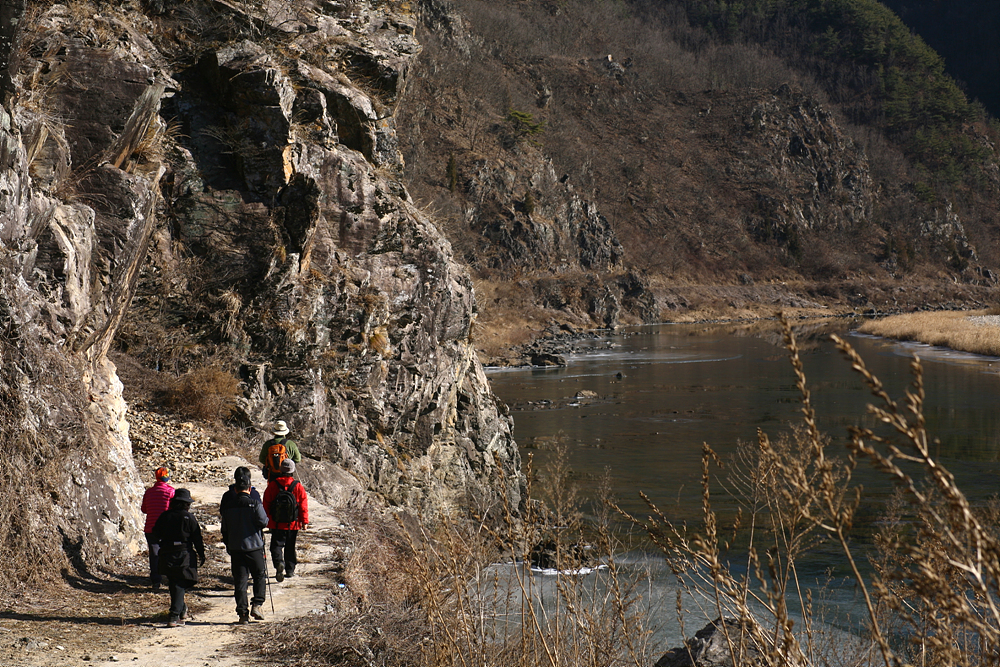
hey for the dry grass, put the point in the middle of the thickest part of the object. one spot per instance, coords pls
(207, 393)
(931, 593)
(956, 330)
(458, 592)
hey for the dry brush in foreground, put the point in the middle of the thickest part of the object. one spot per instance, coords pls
(459, 593)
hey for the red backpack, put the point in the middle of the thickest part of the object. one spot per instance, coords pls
(276, 453)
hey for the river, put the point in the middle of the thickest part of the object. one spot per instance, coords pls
(640, 404)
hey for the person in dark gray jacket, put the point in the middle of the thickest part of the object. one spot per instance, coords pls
(243, 522)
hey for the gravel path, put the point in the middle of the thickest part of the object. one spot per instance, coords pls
(111, 617)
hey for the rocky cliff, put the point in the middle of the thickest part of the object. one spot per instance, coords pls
(233, 167)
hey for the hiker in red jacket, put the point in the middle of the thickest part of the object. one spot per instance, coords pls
(155, 501)
(286, 515)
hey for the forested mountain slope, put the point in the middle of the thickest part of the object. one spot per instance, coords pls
(745, 157)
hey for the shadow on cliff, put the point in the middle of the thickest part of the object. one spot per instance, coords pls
(79, 576)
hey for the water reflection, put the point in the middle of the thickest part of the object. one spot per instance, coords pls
(643, 408)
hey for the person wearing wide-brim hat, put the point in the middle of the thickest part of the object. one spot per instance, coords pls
(179, 534)
(280, 432)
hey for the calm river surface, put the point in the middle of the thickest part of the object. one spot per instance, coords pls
(684, 385)
(662, 391)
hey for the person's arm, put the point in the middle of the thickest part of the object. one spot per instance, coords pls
(269, 493)
(259, 515)
(293, 451)
(303, 498)
(144, 508)
(223, 522)
(157, 531)
(263, 452)
(199, 544)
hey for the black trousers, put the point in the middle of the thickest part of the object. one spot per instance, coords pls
(247, 565)
(177, 607)
(154, 558)
(283, 549)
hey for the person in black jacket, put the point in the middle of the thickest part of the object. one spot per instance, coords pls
(243, 522)
(179, 535)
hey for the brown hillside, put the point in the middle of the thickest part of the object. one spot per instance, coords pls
(713, 164)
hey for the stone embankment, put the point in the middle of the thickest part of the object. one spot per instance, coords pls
(184, 447)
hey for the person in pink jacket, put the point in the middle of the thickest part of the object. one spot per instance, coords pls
(155, 502)
(285, 524)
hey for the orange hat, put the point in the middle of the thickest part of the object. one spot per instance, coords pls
(162, 475)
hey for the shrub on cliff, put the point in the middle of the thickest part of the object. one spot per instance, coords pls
(207, 393)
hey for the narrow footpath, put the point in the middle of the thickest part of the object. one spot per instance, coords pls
(210, 635)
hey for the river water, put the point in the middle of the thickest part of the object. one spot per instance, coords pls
(642, 402)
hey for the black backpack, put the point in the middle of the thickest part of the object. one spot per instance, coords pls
(285, 507)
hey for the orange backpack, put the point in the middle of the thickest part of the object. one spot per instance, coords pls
(276, 453)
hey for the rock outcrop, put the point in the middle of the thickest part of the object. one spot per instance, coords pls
(721, 643)
(248, 192)
(70, 264)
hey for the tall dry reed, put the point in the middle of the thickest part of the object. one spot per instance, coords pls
(928, 585)
(931, 586)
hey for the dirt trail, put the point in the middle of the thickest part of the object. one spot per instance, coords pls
(208, 638)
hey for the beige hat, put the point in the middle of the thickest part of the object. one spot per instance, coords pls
(280, 428)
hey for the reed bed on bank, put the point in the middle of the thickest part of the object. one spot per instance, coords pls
(968, 331)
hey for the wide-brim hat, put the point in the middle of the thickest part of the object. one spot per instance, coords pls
(280, 428)
(183, 496)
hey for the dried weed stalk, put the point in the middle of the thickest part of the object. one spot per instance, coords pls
(931, 591)
(486, 606)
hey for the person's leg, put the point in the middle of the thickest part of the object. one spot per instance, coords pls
(154, 561)
(241, 574)
(177, 607)
(278, 538)
(258, 570)
(291, 560)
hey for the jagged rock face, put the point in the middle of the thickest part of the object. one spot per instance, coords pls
(528, 219)
(339, 299)
(283, 240)
(67, 278)
(808, 175)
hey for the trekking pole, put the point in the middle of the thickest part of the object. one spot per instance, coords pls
(267, 581)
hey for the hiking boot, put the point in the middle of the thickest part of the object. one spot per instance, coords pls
(175, 623)
(279, 573)
(256, 612)
(156, 587)
(244, 619)
(290, 572)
